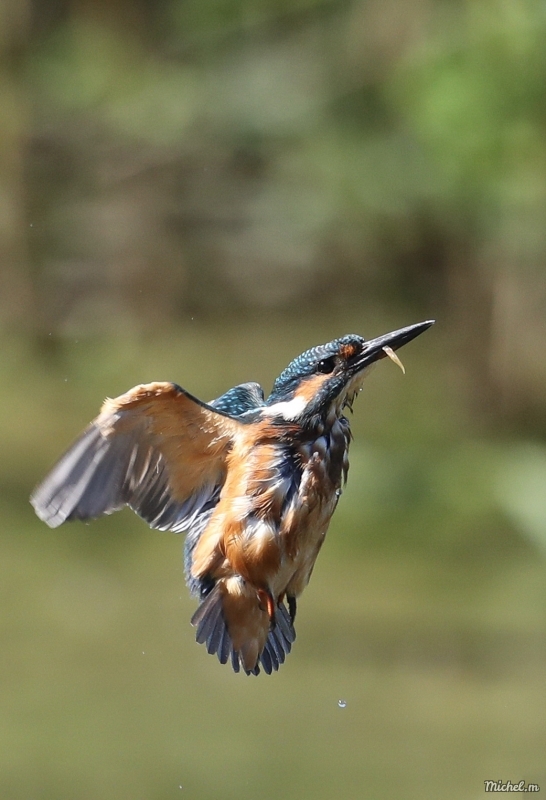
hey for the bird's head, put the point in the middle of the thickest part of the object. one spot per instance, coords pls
(319, 383)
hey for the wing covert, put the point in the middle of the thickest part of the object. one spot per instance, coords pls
(240, 399)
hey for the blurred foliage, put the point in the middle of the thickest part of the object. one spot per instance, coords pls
(197, 191)
(207, 157)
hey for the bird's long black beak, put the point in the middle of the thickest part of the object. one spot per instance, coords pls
(374, 349)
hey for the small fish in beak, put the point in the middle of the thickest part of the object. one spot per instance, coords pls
(393, 357)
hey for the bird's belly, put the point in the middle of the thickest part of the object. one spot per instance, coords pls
(305, 523)
(303, 530)
(302, 544)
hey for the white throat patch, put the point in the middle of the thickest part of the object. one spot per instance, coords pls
(288, 409)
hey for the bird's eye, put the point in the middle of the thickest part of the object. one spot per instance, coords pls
(327, 365)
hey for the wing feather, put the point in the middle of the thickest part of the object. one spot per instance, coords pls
(155, 448)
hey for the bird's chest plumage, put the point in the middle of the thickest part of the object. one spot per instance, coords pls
(279, 496)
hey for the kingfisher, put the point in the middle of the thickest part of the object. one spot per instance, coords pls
(253, 482)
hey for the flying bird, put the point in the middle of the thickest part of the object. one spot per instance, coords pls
(252, 481)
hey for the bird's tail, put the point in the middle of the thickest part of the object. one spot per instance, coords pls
(233, 624)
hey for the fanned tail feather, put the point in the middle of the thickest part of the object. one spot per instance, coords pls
(212, 631)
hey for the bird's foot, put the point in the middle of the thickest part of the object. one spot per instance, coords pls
(268, 604)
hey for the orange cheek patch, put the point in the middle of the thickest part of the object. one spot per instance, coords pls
(310, 387)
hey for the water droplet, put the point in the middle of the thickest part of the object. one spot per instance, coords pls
(342, 703)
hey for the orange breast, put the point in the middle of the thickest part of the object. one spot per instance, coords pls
(273, 513)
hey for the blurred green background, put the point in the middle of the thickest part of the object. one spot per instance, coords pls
(197, 190)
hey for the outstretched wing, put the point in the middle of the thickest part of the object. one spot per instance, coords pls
(155, 448)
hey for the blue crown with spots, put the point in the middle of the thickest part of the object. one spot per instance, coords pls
(307, 364)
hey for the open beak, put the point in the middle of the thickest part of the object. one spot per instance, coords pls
(378, 348)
